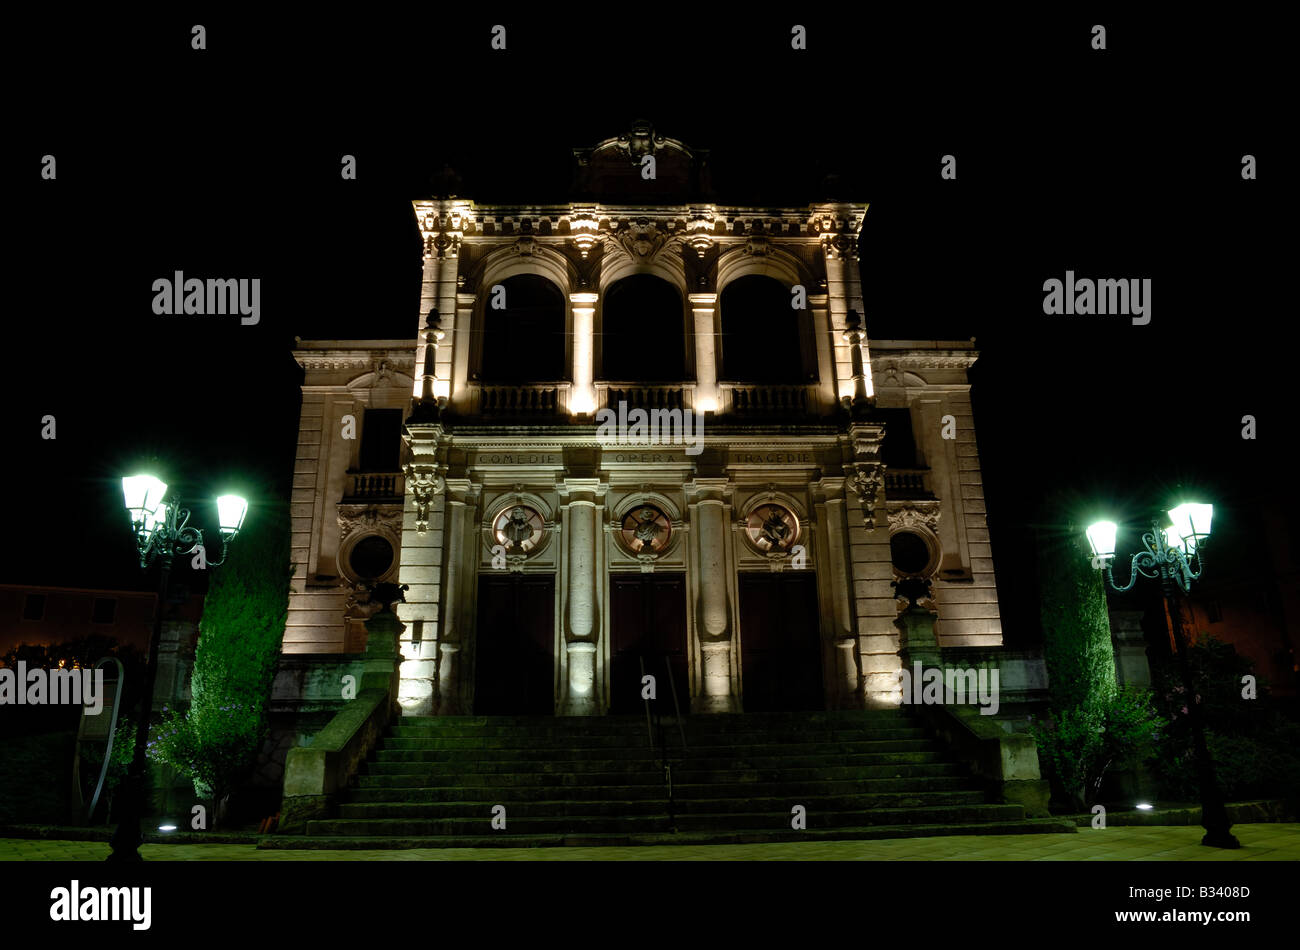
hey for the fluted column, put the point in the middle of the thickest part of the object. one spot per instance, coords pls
(714, 627)
(834, 564)
(461, 503)
(706, 352)
(583, 570)
(583, 399)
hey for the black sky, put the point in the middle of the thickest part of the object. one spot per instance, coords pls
(1123, 163)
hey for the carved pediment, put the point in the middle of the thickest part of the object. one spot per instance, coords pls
(915, 514)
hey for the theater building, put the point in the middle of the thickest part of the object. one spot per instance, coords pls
(639, 431)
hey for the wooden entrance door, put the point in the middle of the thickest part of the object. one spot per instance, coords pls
(647, 618)
(781, 660)
(514, 670)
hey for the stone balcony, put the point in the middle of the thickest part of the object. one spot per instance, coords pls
(376, 487)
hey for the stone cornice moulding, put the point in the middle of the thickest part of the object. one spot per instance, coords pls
(952, 359)
(397, 361)
(446, 224)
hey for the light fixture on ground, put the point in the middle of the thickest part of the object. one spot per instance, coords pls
(162, 531)
(1173, 556)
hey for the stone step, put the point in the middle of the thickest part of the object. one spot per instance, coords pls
(512, 739)
(433, 777)
(576, 793)
(502, 839)
(646, 823)
(467, 808)
(407, 762)
(637, 721)
(423, 773)
(415, 750)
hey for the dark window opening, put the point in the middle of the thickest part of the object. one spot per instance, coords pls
(909, 552)
(899, 449)
(762, 339)
(643, 337)
(34, 607)
(104, 610)
(381, 440)
(524, 341)
(371, 557)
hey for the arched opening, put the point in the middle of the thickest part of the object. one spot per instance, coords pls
(643, 336)
(523, 342)
(764, 340)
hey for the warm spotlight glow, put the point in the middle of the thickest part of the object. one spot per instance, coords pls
(706, 404)
(1101, 536)
(582, 404)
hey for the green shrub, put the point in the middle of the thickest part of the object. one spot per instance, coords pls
(216, 741)
(1078, 745)
(1253, 743)
(1077, 645)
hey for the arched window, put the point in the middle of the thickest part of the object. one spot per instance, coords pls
(643, 338)
(764, 340)
(524, 341)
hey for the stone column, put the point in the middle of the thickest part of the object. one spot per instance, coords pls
(440, 229)
(714, 626)
(707, 396)
(583, 399)
(835, 565)
(458, 571)
(422, 543)
(856, 335)
(581, 617)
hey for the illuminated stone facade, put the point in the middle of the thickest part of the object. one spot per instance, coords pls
(510, 478)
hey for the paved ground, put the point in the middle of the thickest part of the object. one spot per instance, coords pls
(1260, 842)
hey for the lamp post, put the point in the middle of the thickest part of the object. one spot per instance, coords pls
(1174, 556)
(161, 531)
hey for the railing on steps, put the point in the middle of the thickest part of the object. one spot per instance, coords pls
(657, 727)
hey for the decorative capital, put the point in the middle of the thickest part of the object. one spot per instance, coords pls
(641, 239)
(424, 483)
(866, 482)
(840, 247)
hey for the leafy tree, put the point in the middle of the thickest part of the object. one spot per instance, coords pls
(216, 741)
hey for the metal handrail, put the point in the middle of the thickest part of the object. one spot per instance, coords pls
(664, 764)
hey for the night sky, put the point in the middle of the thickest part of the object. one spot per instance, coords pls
(225, 163)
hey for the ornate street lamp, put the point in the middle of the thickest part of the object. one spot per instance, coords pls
(1173, 556)
(161, 531)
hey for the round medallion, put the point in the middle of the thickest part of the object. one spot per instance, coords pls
(772, 528)
(645, 530)
(519, 529)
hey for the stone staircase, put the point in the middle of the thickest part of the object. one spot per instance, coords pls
(434, 782)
